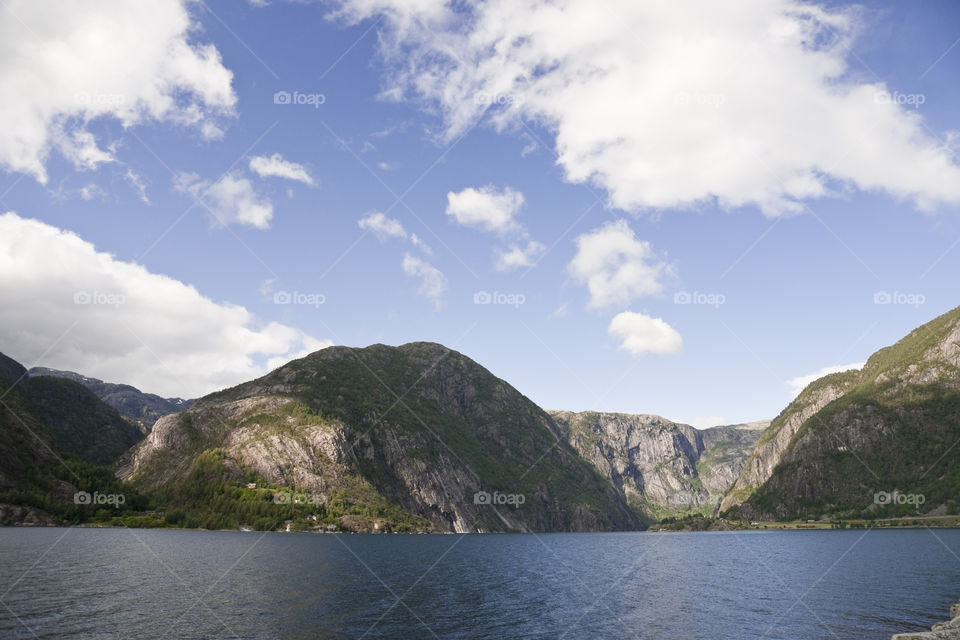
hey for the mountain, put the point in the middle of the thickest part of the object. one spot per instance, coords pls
(416, 437)
(661, 468)
(26, 446)
(53, 434)
(141, 408)
(880, 441)
(77, 420)
(775, 440)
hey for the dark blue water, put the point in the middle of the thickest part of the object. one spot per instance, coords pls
(110, 583)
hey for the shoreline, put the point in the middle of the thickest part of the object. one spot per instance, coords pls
(949, 630)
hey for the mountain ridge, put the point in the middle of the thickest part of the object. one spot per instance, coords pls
(888, 429)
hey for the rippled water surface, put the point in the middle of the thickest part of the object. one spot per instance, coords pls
(110, 583)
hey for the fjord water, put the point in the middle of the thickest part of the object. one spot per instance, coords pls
(106, 583)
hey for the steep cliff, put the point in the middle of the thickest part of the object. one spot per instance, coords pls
(775, 439)
(884, 440)
(661, 468)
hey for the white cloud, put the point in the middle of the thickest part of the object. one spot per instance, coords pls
(385, 228)
(485, 208)
(518, 255)
(615, 266)
(276, 167)
(91, 191)
(382, 226)
(433, 284)
(230, 200)
(640, 334)
(495, 211)
(137, 327)
(70, 63)
(799, 383)
(670, 104)
(138, 183)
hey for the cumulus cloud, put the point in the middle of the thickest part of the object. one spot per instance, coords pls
(615, 266)
(799, 383)
(640, 334)
(433, 284)
(670, 104)
(485, 208)
(382, 226)
(276, 167)
(495, 211)
(130, 61)
(69, 306)
(518, 255)
(230, 200)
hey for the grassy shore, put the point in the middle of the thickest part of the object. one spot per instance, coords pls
(699, 523)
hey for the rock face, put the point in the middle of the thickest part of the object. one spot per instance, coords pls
(661, 468)
(774, 441)
(880, 441)
(418, 426)
(143, 409)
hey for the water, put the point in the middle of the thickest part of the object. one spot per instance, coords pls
(118, 583)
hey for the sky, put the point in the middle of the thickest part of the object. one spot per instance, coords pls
(688, 209)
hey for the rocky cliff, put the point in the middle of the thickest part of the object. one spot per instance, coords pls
(419, 427)
(775, 439)
(662, 468)
(881, 441)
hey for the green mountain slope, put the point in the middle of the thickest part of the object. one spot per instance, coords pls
(141, 408)
(412, 436)
(40, 471)
(886, 443)
(79, 423)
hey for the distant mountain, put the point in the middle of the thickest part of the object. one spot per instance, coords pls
(142, 408)
(880, 441)
(416, 437)
(661, 468)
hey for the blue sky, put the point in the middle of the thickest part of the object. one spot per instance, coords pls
(782, 275)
